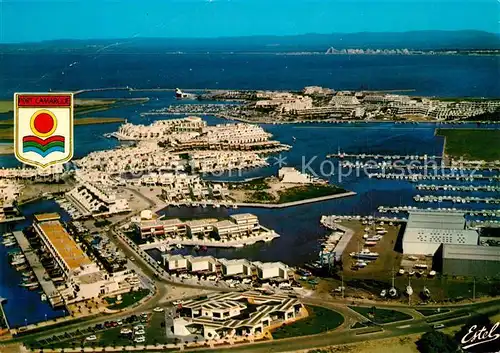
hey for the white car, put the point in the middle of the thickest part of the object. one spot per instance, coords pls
(125, 331)
(140, 339)
(91, 338)
(140, 332)
(158, 309)
(138, 327)
(177, 302)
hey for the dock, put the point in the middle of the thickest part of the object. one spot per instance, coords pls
(48, 287)
(382, 156)
(344, 240)
(3, 316)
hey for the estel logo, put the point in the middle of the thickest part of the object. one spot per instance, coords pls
(43, 128)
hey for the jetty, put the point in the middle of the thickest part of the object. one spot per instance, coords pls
(330, 223)
(405, 209)
(267, 205)
(461, 188)
(455, 199)
(47, 285)
(412, 157)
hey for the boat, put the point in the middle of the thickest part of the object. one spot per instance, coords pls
(371, 243)
(18, 261)
(179, 246)
(182, 95)
(401, 271)
(365, 254)
(432, 273)
(9, 242)
(43, 297)
(294, 138)
(33, 285)
(411, 273)
(383, 293)
(426, 292)
(393, 292)
(204, 248)
(409, 290)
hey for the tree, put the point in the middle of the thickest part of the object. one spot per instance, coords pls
(436, 342)
(479, 321)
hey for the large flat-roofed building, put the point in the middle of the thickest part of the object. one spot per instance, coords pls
(83, 277)
(61, 245)
(236, 314)
(470, 260)
(427, 230)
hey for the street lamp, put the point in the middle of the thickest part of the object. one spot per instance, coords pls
(26, 322)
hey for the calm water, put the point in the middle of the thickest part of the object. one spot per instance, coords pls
(299, 226)
(428, 75)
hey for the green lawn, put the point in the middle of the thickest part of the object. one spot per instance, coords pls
(127, 299)
(319, 320)
(472, 144)
(299, 193)
(429, 312)
(382, 316)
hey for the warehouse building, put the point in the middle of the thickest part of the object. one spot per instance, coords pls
(469, 260)
(427, 230)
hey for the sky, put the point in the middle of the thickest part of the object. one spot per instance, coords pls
(38, 20)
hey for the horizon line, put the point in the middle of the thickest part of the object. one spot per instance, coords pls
(252, 35)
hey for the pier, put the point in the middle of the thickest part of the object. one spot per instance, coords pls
(413, 157)
(269, 235)
(330, 223)
(416, 177)
(3, 316)
(462, 188)
(405, 209)
(270, 205)
(48, 287)
(455, 199)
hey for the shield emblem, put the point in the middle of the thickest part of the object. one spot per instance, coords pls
(43, 128)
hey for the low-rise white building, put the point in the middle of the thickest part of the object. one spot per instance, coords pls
(227, 315)
(83, 277)
(268, 270)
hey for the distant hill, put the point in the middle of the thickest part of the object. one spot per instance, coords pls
(416, 40)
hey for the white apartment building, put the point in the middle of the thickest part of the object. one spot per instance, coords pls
(268, 270)
(228, 268)
(221, 315)
(160, 129)
(84, 279)
(90, 199)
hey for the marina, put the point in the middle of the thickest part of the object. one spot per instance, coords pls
(413, 157)
(458, 188)
(39, 271)
(455, 199)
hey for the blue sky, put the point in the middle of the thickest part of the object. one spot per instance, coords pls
(37, 20)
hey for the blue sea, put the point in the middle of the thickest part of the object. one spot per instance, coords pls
(299, 227)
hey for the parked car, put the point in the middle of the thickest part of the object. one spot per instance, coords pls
(140, 339)
(91, 338)
(438, 326)
(140, 332)
(138, 327)
(125, 331)
(158, 309)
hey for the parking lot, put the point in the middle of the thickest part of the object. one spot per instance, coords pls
(144, 328)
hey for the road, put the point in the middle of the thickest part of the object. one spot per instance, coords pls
(341, 335)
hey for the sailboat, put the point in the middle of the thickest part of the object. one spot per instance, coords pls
(294, 138)
(409, 289)
(426, 292)
(393, 292)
